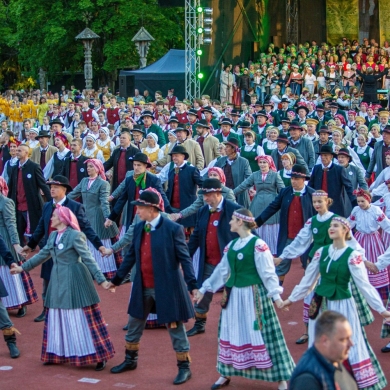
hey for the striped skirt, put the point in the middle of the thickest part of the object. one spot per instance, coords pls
(77, 336)
(270, 234)
(385, 239)
(20, 289)
(373, 245)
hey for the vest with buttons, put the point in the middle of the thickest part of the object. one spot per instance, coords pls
(213, 254)
(320, 234)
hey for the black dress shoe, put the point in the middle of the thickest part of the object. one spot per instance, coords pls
(303, 339)
(40, 318)
(22, 312)
(217, 386)
(385, 349)
(13, 350)
(126, 327)
(129, 364)
(198, 328)
(100, 366)
(48, 364)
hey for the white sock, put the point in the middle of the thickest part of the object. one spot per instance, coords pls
(388, 345)
(282, 385)
(221, 380)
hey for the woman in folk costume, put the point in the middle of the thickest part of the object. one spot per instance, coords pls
(335, 266)
(21, 291)
(251, 341)
(104, 143)
(268, 183)
(250, 150)
(288, 160)
(153, 150)
(315, 233)
(384, 202)
(91, 150)
(367, 219)
(55, 164)
(13, 144)
(94, 191)
(32, 142)
(378, 187)
(270, 143)
(75, 331)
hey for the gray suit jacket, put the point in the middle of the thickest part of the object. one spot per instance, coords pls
(376, 159)
(306, 149)
(300, 160)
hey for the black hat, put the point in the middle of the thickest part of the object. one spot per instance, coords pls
(125, 130)
(268, 103)
(210, 185)
(147, 198)
(326, 149)
(56, 121)
(173, 119)
(202, 123)
(299, 171)
(147, 113)
(138, 128)
(181, 128)
(320, 107)
(226, 121)
(259, 103)
(43, 133)
(179, 149)
(303, 108)
(235, 112)
(345, 152)
(61, 181)
(286, 120)
(192, 111)
(142, 157)
(333, 105)
(386, 129)
(261, 113)
(245, 125)
(207, 109)
(324, 129)
(295, 125)
(232, 142)
(285, 100)
(283, 138)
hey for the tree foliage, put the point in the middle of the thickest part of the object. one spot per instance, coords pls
(41, 33)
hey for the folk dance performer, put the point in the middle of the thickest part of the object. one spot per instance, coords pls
(71, 302)
(94, 191)
(211, 235)
(250, 338)
(335, 266)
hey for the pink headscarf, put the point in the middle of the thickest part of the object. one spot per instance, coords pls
(67, 217)
(220, 173)
(269, 160)
(339, 116)
(160, 199)
(3, 187)
(98, 165)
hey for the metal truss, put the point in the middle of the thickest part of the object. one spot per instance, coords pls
(292, 21)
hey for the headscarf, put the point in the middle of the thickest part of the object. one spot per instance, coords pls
(3, 186)
(67, 217)
(154, 136)
(98, 165)
(220, 173)
(105, 130)
(361, 193)
(339, 116)
(63, 138)
(13, 140)
(269, 160)
(160, 199)
(91, 136)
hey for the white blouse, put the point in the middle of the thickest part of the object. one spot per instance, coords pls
(271, 145)
(90, 153)
(384, 201)
(152, 150)
(264, 264)
(356, 267)
(259, 149)
(49, 168)
(370, 220)
(379, 182)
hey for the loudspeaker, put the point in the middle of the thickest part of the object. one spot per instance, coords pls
(126, 86)
(171, 3)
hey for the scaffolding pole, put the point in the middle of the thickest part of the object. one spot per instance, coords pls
(292, 21)
(192, 69)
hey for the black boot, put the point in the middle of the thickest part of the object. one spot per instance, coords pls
(40, 318)
(184, 373)
(130, 362)
(22, 312)
(199, 326)
(10, 339)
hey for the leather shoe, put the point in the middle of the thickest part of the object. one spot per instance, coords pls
(385, 349)
(21, 312)
(198, 328)
(184, 373)
(40, 318)
(100, 366)
(13, 350)
(303, 339)
(217, 386)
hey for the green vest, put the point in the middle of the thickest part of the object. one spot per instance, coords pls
(243, 272)
(250, 156)
(364, 157)
(320, 234)
(286, 180)
(334, 283)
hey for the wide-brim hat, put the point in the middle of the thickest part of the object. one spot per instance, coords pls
(301, 107)
(179, 149)
(60, 181)
(333, 105)
(210, 185)
(207, 109)
(56, 121)
(324, 129)
(138, 128)
(283, 138)
(286, 120)
(245, 125)
(326, 149)
(299, 171)
(43, 133)
(261, 113)
(226, 121)
(143, 158)
(233, 142)
(147, 198)
(147, 113)
(192, 111)
(295, 125)
(386, 129)
(173, 119)
(181, 128)
(345, 152)
(202, 123)
(235, 112)
(285, 100)
(320, 107)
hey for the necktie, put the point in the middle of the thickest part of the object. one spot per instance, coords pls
(43, 151)
(324, 185)
(212, 210)
(177, 170)
(148, 227)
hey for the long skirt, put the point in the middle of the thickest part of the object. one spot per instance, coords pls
(76, 336)
(373, 245)
(20, 289)
(386, 239)
(270, 234)
(110, 264)
(251, 341)
(365, 367)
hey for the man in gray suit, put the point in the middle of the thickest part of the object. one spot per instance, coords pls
(378, 156)
(303, 145)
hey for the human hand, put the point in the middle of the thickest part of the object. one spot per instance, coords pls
(15, 269)
(197, 296)
(287, 303)
(108, 286)
(280, 305)
(386, 315)
(18, 249)
(174, 217)
(277, 261)
(106, 251)
(371, 267)
(154, 163)
(110, 198)
(108, 223)
(25, 250)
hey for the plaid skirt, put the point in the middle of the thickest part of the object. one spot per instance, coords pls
(385, 332)
(282, 362)
(104, 350)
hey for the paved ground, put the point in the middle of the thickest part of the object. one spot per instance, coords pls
(157, 364)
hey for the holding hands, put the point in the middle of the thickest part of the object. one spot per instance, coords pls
(108, 286)
(197, 296)
(15, 269)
